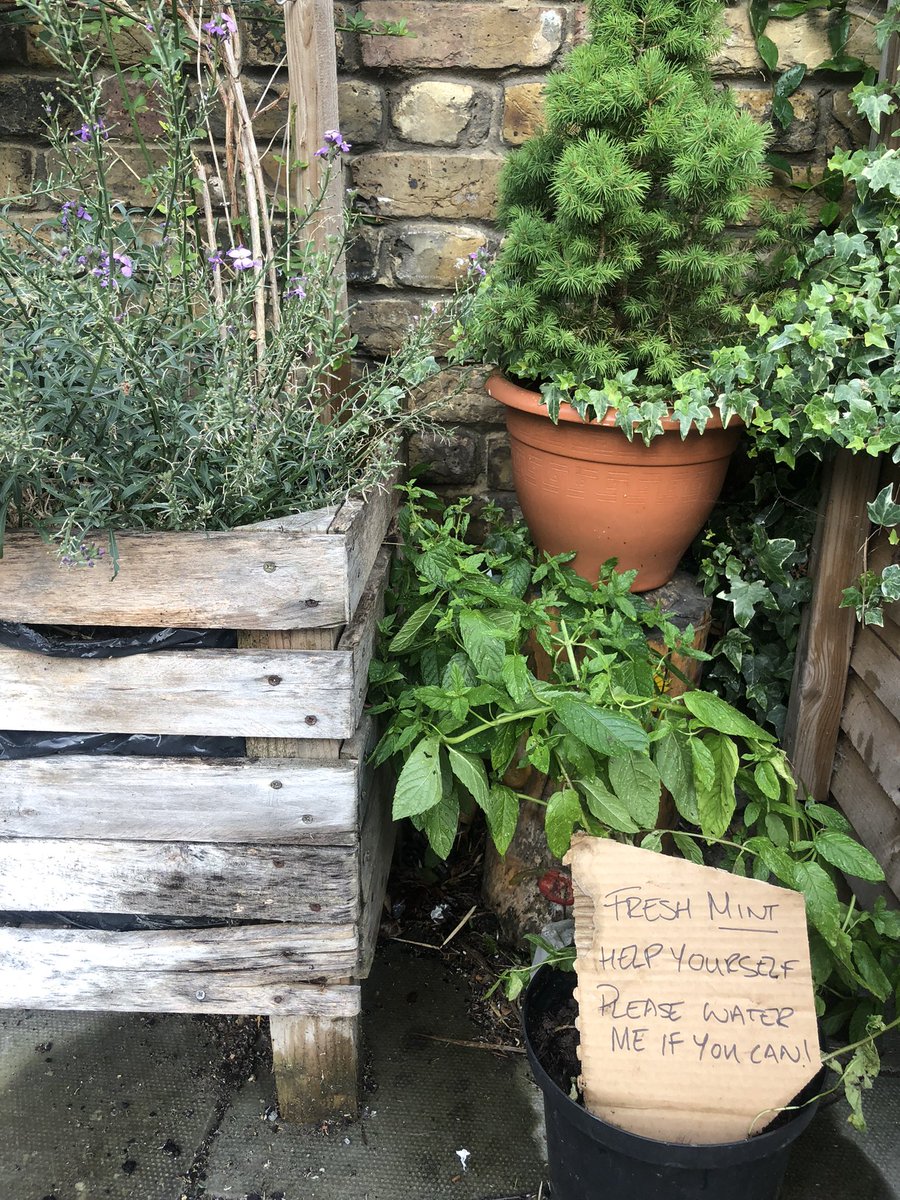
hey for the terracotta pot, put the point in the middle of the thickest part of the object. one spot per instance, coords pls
(583, 486)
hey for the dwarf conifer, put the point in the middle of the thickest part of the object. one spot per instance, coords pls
(617, 254)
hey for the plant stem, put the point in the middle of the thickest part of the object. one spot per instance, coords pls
(516, 716)
(826, 1058)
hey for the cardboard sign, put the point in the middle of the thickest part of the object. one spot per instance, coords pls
(695, 997)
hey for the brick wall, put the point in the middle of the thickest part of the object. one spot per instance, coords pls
(430, 118)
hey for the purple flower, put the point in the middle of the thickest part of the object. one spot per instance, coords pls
(86, 132)
(477, 260)
(242, 259)
(80, 212)
(221, 27)
(294, 290)
(215, 260)
(334, 140)
(104, 269)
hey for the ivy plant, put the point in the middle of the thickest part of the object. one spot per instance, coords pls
(874, 589)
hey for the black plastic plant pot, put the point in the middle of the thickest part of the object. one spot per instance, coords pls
(590, 1159)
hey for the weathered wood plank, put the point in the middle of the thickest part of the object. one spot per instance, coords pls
(823, 653)
(870, 811)
(265, 693)
(878, 668)
(376, 849)
(289, 883)
(279, 801)
(201, 692)
(246, 578)
(248, 969)
(291, 639)
(361, 634)
(237, 969)
(316, 1064)
(364, 523)
(874, 733)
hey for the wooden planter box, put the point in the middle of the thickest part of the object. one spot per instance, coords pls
(288, 847)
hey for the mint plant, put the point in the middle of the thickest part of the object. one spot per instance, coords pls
(494, 658)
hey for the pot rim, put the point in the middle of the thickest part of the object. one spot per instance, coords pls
(687, 1155)
(513, 395)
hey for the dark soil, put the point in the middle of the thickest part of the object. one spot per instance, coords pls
(554, 1040)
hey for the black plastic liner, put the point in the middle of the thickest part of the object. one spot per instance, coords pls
(56, 642)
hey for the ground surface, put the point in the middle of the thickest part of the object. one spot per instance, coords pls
(121, 1107)
(99, 1106)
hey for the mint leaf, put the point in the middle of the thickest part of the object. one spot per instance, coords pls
(502, 812)
(484, 645)
(672, 755)
(722, 717)
(606, 807)
(440, 824)
(716, 803)
(469, 770)
(562, 815)
(419, 785)
(848, 855)
(406, 634)
(607, 732)
(636, 782)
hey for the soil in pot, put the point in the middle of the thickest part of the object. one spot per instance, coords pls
(592, 1160)
(586, 487)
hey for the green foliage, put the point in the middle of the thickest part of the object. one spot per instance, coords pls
(151, 378)
(487, 670)
(872, 591)
(822, 371)
(616, 259)
(753, 559)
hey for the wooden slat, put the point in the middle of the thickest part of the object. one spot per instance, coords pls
(878, 667)
(823, 653)
(289, 883)
(200, 692)
(361, 635)
(291, 639)
(241, 693)
(245, 969)
(874, 733)
(312, 71)
(254, 579)
(376, 851)
(180, 800)
(364, 524)
(869, 809)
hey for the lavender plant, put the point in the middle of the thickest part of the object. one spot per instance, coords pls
(172, 364)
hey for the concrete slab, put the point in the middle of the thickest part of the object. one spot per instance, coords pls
(98, 1106)
(122, 1107)
(433, 1101)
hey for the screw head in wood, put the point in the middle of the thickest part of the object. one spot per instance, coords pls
(311, 720)
(201, 995)
(276, 784)
(269, 567)
(274, 680)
